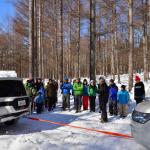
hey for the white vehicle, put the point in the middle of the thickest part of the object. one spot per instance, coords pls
(14, 101)
(141, 123)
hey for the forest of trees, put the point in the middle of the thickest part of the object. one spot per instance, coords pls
(57, 38)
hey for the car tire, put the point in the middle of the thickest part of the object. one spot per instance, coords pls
(11, 122)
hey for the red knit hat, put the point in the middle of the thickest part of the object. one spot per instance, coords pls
(137, 78)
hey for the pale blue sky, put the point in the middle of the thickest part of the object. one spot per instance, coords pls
(6, 9)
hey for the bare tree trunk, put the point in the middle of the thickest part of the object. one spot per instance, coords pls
(31, 38)
(35, 50)
(148, 32)
(78, 44)
(62, 40)
(145, 43)
(113, 40)
(39, 42)
(92, 39)
(69, 52)
(131, 47)
(116, 49)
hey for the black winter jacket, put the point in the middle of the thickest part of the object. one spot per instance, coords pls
(139, 90)
(103, 91)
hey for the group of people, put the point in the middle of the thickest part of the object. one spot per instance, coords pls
(85, 95)
(42, 96)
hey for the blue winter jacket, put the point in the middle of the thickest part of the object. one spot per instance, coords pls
(39, 99)
(43, 93)
(113, 90)
(85, 90)
(123, 97)
(66, 88)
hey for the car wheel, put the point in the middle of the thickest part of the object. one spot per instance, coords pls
(11, 122)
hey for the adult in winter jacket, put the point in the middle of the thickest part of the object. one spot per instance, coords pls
(139, 90)
(78, 91)
(85, 97)
(103, 91)
(50, 93)
(39, 102)
(66, 88)
(56, 90)
(123, 99)
(92, 94)
(31, 92)
(74, 81)
(113, 89)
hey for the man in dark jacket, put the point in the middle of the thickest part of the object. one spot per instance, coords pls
(103, 91)
(50, 93)
(113, 90)
(139, 90)
(56, 90)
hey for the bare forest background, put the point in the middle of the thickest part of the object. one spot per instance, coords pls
(74, 38)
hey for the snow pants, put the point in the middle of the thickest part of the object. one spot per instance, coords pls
(39, 108)
(85, 101)
(139, 100)
(78, 102)
(51, 102)
(100, 109)
(104, 111)
(123, 110)
(92, 103)
(66, 101)
(113, 107)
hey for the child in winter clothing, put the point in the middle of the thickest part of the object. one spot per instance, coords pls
(66, 87)
(139, 90)
(39, 102)
(85, 97)
(123, 99)
(113, 90)
(78, 91)
(92, 94)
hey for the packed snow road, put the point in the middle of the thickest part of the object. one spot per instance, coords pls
(35, 135)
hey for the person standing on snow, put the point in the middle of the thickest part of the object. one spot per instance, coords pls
(78, 91)
(74, 81)
(101, 78)
(113, 89)
(31, 92)
(66, 88)
(85, 97)
(43, 93)
(139, 90)
(123, 99)
(92, 94)
(103, 92)
(39, 102)
(56, 90)
(50, 93)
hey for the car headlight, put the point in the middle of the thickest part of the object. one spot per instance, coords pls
(140, 117)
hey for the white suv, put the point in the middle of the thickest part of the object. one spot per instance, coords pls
(141, 123)
(14, 101)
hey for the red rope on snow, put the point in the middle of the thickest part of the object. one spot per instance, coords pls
(83, 128)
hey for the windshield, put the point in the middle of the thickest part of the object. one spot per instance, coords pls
(11, 88)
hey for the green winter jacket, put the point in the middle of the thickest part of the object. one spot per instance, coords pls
(31, 92)
(92, 90)
(78, 89)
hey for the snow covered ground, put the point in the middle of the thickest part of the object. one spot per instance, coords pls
(34, 135)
